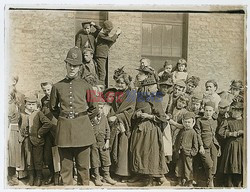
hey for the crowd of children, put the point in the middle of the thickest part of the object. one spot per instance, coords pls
(166, 130)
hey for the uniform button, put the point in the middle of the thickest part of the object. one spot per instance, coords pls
(70, 87)
(70, 112)
(70, 83)
(70, 102)
(70, 107)
(70, 97)
(70, 92)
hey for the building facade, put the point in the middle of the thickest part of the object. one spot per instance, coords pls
(212, 43)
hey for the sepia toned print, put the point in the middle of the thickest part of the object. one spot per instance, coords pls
(126, 99)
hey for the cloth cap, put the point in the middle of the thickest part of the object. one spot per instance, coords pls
(166, 82)
(88, 50)
(224, 103)
(108, 25)
(74, 56)
(145, 69)
(236, 84)
(86, 23)
(31, 98)
(188, 115)
(210, 103)
(181, 83)
(237, 105)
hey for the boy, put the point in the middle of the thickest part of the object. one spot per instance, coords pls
(166, 70)
(100, 155)
(103, 44)
(85, 38)
(33, 125)
(195, 105)
(187, 148)
(50, 136)
(208, 144)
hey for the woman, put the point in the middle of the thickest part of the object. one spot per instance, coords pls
(120, 122)
(147, 151)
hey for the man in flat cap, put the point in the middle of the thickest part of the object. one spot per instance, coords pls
(70, 105)
(104, 42)
(85, 38)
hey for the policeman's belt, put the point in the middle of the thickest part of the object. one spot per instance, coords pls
(73, 115)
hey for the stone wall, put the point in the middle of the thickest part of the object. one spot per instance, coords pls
(216, 48)
(127, 49)
(38, 43)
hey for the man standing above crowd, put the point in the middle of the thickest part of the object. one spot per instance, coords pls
(74, 130)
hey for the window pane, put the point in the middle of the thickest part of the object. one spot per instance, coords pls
(162, 17)
(146, 39)
(167, 40)
(156, 39)
(177, 41)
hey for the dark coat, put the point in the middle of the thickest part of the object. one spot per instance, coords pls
(206, 129)
(104, 42)
(71, 96)
(35, 125)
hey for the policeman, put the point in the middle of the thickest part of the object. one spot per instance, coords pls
(70, 104)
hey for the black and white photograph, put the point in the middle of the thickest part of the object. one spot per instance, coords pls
(125, 98)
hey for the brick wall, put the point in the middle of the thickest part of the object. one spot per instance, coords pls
(216, 48)
(127, 49)
(38, 44)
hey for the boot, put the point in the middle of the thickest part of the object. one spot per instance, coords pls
(179, 181)
(39, 177)
(150, 182)
(31, 177)
(210, 182)
(107, 177)
(190, 183)
(97, 179)
(15, 180)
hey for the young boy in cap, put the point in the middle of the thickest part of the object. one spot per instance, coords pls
(100, 154)
(85, 38)
(103, 44)
(186, 147)
(209, 147)
(195, 105)
(33, 126)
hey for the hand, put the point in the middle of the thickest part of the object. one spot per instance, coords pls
(219, 153)
(106, 146)
(118, 31)
(234, 134)
(112, 119)
(172, 122)
(122, 128)
(39, 136)
(202, 150)
(138, 113)
(92, 23)
(146, 116)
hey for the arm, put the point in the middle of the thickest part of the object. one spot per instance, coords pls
(93, 107)
(198, 129)
(46, 124)
(97, 29)
(195, 148)
(54, 101)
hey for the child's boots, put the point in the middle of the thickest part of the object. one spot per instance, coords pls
(107, 177)
(97, 179)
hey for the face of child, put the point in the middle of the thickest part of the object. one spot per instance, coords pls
(31, 106)
(210, 88)
(106, 31)
(87, 56)
(72, 70)
(222, 110)
(168, 68)
(196, 106)
(110, 96)
(153, 89)
(237, 113)
(47, 89)
(144, 63)
(86, 29)
(100, 106)
(188, 123)
(181, 103)
(208, 112)
(181, 67)
(235, 91)
(190, 87)
(121, 84)
(164, 88)
(178, 90)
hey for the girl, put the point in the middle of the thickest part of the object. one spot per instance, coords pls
(232, 157)
(147, 151)
(181, 71)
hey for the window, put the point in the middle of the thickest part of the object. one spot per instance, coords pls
(162, 37)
